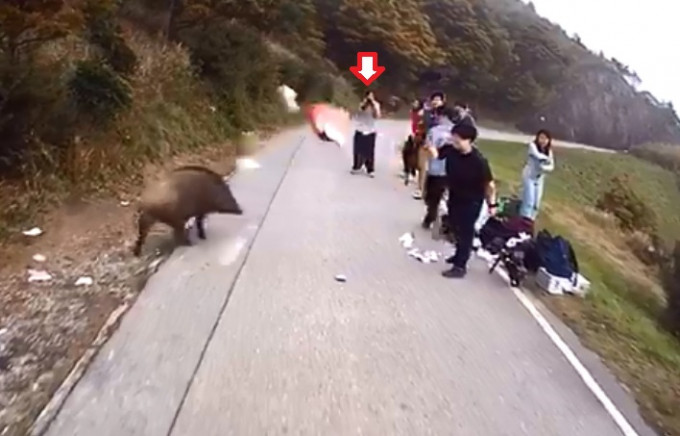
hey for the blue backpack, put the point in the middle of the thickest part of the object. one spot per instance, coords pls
(556, 255)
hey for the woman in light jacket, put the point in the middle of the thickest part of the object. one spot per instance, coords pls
(539, 162)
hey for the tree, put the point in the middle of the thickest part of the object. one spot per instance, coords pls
(398, 31)
(25, 25)
(105, 33)
(282, 19)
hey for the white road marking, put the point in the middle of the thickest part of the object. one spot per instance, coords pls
(581, 370)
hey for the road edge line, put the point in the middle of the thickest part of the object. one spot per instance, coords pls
(585, 375)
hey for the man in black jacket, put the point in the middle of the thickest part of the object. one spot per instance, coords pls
(470, 183)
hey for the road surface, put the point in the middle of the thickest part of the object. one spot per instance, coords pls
(249, 333)
(519, 137)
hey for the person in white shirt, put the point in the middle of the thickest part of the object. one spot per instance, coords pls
(365, 135)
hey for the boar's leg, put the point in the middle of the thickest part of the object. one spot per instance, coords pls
(144, 223)
(180, 233)
(200, 226)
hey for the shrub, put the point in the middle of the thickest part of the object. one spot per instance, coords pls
(629, 209)
(241, 70)
(99, 91)
(34, 108)
(672, 288)
(313, 82)
(648, 249)
(105, 33)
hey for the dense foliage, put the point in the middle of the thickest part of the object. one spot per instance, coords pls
(499, 55)
(504, 59)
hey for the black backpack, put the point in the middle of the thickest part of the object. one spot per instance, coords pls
(554, 253)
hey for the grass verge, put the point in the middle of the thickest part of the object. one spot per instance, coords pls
(619, 318)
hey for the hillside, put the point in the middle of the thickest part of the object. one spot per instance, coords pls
(98, 95)
(68, 68)
(503, 58)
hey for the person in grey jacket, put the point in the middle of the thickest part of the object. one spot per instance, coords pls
(435, 183)
(437, 100)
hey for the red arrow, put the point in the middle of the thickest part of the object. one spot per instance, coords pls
(367, 68)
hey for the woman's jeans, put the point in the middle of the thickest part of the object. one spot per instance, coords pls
(532, 193)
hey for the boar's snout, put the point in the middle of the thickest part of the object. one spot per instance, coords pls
(228, 203)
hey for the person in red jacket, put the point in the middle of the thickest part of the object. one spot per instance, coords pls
(416, 115)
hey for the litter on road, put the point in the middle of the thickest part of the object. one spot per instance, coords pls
(39, 258)
(35, 275)
(428, 256)
(35, 231)
(84, 281)
(406, 240)
(340, 278)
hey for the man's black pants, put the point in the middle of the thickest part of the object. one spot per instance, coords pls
(462, 217)
(435, 186)
(364, 151)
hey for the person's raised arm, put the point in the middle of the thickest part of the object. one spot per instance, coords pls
(535, 153)
(549, 164)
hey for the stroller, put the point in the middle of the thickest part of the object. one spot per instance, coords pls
(508, 239)
(506, 236)
(507, 207)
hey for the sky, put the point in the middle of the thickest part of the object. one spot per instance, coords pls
(643, 34)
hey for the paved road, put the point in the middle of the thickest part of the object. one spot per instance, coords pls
(519, 137)
(248, 333)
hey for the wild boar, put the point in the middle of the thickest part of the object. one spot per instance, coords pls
(188, 191)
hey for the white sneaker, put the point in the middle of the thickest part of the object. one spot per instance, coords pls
(371, 175)
(355, 171)
(418, 195)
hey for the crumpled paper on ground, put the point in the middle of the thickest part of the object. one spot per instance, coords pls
(36, 275)
(35, 231)
(428, 256)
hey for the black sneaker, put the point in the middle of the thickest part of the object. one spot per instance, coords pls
(455, 272)
(426, 224)
(450, 259)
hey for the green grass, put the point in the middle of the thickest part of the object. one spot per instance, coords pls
(582, 176)
(619, 317)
